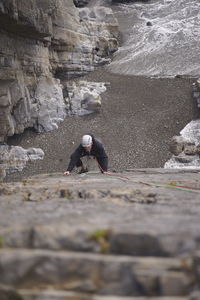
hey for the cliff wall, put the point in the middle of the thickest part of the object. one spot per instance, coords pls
(42, 44)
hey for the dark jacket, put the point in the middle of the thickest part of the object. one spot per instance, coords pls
(97, 151)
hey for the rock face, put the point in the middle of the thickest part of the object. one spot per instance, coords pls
(98, 236)
(186, 147)
(14, 158)
(41, 40)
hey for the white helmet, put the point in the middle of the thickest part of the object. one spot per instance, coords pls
(86, 141)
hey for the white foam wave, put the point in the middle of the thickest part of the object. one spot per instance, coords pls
(169, 47)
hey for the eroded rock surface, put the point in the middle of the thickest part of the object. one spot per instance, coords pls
(38, 42)
(84, 97)
(84, 236)
(14, 158)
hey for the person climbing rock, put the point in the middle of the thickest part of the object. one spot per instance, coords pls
(90, 146)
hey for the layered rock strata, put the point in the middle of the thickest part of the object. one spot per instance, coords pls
(41, 42)
(96, 236)
(38, 42)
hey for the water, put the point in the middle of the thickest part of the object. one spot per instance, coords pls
(167, 48)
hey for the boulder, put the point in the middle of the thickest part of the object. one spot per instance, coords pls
(186, 147)
(84, 97)
(14, 158)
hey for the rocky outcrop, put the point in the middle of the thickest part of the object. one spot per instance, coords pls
(41, 40)
(14, 158)
(186, 147)
(98, 236)
(84, 97)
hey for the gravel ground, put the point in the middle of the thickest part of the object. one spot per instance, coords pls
(137, 119)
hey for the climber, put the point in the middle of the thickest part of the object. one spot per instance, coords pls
(90, 146)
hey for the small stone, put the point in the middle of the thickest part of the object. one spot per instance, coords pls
(149, 23)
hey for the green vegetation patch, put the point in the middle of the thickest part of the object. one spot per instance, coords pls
(99, 233)
(101, 236)
(1, 241)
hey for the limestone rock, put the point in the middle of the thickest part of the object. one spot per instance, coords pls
(84, 97)
(40, 40)
(186, 147)
(14, 158)
(57, 240)
(51, 105)
(177, 145)
(82, 272)
(191, 132)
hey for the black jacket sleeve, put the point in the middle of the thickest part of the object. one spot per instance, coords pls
(74, 158)
(99, 150)
(101, 156)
